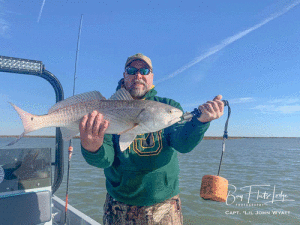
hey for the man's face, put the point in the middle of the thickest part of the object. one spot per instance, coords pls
(138, 85)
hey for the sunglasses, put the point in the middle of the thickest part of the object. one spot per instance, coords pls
(133, 71)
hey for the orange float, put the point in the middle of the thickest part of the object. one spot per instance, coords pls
(214, 188)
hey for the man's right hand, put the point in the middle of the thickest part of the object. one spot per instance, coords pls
(92, 128)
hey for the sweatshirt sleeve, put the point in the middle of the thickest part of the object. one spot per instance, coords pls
(186, 136)
(102, 158)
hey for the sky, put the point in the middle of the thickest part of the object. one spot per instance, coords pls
(247, 51)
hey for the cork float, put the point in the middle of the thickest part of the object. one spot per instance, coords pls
(215, 187)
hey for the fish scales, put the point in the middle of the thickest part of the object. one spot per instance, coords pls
(122, 114)
(122, 111)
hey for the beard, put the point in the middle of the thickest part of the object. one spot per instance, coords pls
(138, 91)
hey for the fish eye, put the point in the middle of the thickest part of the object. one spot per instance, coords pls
(31, 118)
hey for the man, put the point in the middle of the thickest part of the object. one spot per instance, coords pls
(142, 182)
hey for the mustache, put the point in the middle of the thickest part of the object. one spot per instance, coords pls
(139, 82)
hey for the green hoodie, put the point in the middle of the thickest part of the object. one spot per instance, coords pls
(147, 172)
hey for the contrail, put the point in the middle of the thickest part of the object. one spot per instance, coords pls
(228, 41)
(41, 11)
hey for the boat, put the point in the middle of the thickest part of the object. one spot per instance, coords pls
(27, 185)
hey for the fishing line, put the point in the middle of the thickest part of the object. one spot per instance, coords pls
(225, 136)
(213, 187)
(70, 149)
(197, 113)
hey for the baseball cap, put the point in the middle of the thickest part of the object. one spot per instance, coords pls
(139, 56)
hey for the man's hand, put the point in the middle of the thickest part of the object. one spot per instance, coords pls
(211, 110)
(92, 129)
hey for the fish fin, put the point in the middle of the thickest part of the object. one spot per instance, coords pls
(121, 94)
(134, 126)
(15, 141)
(88, 96)
(30, 122)
(125, 140)
(69, 132)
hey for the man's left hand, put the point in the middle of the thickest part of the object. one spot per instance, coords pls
(211, 110)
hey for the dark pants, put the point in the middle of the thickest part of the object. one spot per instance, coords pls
(167, 212)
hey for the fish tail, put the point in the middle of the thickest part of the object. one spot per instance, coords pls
(30, 121)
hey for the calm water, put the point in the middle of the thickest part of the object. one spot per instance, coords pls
(270, 167)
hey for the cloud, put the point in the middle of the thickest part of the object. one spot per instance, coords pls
(4, 25)
(265, 108)
(228, 41)
(287, 109)
(4, 28)
(285, 100)
(284, 109)
(231, 101)
(241, 100)
(285, 105)
(40, 14)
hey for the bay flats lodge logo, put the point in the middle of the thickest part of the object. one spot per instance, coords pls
(255, 195)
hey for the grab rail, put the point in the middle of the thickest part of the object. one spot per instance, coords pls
(37, 68)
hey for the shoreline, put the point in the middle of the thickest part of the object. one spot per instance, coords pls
(77, 137)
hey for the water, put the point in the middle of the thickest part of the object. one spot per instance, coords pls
(271, 163)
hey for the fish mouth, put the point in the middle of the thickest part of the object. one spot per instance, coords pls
(175, 120)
